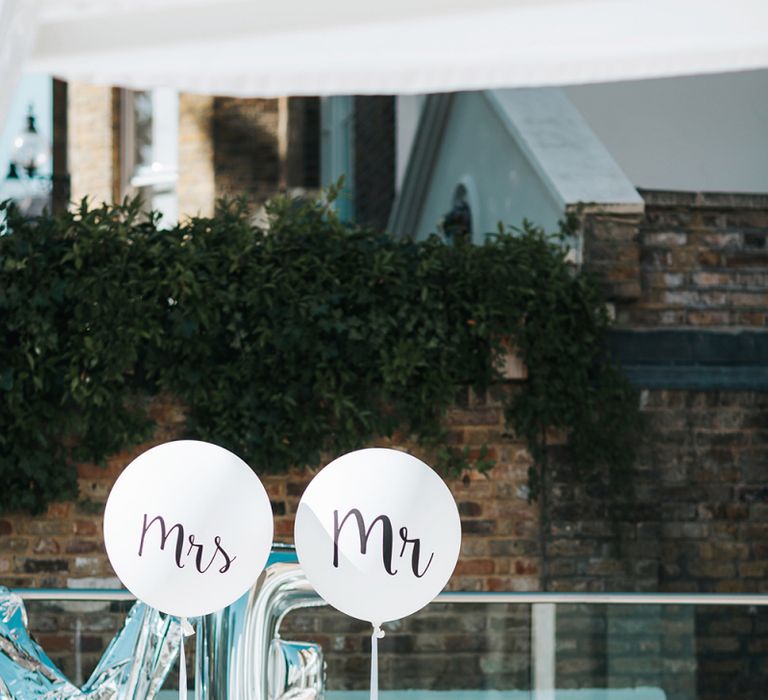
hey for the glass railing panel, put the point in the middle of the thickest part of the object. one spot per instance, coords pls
(445, 647)
(74, 634)
(642, 652)
(493, 647)
(732, 652)
(543, 651)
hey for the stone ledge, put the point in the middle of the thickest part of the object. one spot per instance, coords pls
(704, 200)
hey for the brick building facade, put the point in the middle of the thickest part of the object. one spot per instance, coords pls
(227, 148)
(688, 280)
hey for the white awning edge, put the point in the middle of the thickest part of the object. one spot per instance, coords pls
(517, 44)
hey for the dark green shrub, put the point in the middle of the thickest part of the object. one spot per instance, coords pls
(312, 337)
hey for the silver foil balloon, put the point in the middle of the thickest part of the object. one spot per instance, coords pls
(233, 645)
(296, 671)
(239, 653)
(133, 666)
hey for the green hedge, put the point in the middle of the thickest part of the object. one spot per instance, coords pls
(310, 337)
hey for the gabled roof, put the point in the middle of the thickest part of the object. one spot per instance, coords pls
(571, 162)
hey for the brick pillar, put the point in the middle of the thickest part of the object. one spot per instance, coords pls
(196, 184)
(245, 137)
(92, 142)
(611, 250)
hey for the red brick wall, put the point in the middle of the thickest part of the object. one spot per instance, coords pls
(245, 149)
(64, 547)
(610, 242)
(703, 262)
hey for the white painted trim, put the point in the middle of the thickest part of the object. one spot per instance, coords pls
(154, 178)
(406, 210)
(162, 174)
(543, 638)
(408, 112)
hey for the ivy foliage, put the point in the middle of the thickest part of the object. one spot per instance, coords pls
(285, 342)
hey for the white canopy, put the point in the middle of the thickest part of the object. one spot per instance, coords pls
(294, 47)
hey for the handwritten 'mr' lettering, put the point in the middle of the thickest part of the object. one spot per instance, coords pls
(387, 537)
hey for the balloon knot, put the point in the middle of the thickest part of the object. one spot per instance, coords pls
(378, 632)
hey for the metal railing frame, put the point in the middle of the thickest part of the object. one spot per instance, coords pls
(117, 594)
(543, 613)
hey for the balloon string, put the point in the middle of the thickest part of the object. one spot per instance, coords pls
(186, 631)
(377, 634)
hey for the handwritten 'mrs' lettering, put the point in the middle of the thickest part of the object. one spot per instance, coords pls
(179, 554)
(199, 555)
(387, 539)
(164, 535)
